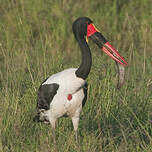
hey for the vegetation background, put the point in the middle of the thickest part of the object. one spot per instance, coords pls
(36, 40)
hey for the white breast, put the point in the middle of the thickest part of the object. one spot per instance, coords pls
(61, 105)
(68, 84)
(67, 80)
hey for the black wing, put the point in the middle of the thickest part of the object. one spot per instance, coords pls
(46, 93)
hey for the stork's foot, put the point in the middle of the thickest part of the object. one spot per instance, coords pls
(53, 134)
(77, 139)
(76, 136)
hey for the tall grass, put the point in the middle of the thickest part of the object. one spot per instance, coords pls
(36, 41)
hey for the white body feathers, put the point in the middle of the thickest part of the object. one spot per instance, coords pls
(60, 105)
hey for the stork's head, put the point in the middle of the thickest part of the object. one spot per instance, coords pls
(80, 27)
(84, 28)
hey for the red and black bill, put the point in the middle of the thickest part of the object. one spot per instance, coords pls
(106, 47)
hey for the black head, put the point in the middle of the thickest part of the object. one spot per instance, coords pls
(79, 26)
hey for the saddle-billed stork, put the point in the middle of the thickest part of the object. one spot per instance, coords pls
(65, 93)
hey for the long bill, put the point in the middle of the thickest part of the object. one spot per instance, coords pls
(99, 39)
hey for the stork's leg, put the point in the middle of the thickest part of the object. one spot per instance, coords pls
(75, 121)
(53, 124)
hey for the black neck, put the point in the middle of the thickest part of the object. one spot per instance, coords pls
(86, 62)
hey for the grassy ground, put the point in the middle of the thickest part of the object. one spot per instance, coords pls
(36, 41)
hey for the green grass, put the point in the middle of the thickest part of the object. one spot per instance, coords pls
(36, 40)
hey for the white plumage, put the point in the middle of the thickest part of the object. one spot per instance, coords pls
(67, 80)
(60, 105)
